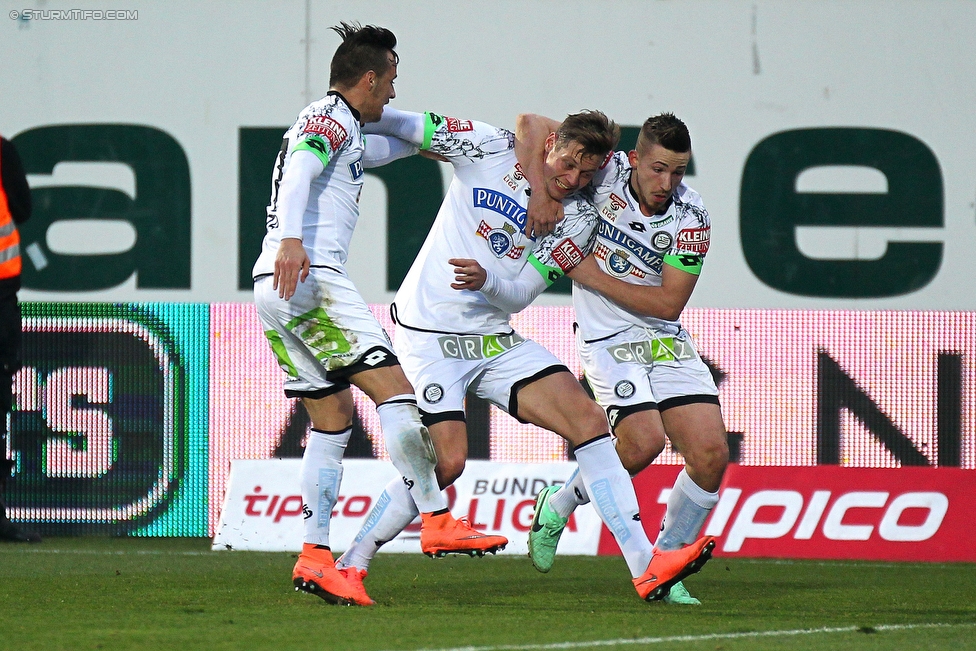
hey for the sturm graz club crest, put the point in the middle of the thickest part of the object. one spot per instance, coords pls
(618, 264)
(501, 240)
(624, 389)
(433, 393)
(662, 241)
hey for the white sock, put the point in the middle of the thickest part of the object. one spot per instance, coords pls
(688, 507)
(572, 493)
(411, 451)
(612, 494)
(320, 476)
(569, 496)
(393, 511)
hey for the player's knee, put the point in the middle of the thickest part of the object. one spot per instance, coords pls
(637, 454)
(710, 459)
(590, 421)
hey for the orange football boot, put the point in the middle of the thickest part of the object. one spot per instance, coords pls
(442, 534)
(316, 574)
(354, 577)
(667, 568)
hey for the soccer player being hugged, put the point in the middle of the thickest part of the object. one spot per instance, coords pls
(320, 329)
(451, 338)
(642, 366)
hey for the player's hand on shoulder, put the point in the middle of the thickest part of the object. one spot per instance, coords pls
(291, 266)
(468, 274)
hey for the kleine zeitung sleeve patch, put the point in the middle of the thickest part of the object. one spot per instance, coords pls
(567, 255)
(455, 125)
(323, 125)
(694, 239)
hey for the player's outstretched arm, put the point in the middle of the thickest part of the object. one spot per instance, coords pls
(381, 150)
(664, 302)
(405, 125)
(531, 132)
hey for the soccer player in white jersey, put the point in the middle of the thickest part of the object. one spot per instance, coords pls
(642, 365)
(451, 339)
(320, 329)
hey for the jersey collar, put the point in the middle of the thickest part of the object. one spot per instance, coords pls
(352, 109)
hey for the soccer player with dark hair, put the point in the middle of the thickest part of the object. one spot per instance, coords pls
(451, 339)
(643, 367)
(319, 327)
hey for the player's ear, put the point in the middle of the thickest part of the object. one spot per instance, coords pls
(550, 143)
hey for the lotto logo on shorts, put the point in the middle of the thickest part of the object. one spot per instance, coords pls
(477, 346)
(567, 255)
(454, 125)
(322, 125)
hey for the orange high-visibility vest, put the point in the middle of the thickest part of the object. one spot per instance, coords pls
(9, 239)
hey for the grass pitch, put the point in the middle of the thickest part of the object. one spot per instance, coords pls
(111, 593)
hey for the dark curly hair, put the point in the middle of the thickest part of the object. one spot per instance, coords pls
(362, 49)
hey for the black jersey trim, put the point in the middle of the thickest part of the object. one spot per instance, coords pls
(680, 401)
(599, 339)
(396, 320)
(520, 384)
(338, 386)
(592, 440)
(429, 419)
(352, 109)
(616, 414)
(311, 266)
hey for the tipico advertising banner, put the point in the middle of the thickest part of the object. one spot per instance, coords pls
(908, 514)
(828, 512)
(262, 509)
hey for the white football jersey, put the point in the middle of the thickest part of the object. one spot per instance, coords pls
(330, 129)
(634, 248)
(482, 217)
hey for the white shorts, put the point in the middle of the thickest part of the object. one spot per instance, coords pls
(324, 334)
(636, 370)
(443, 367)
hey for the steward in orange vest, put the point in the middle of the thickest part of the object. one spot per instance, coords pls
(15, 208)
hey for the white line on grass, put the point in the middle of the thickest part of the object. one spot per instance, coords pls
(829, 563)
(110, 552)
(697, 638)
